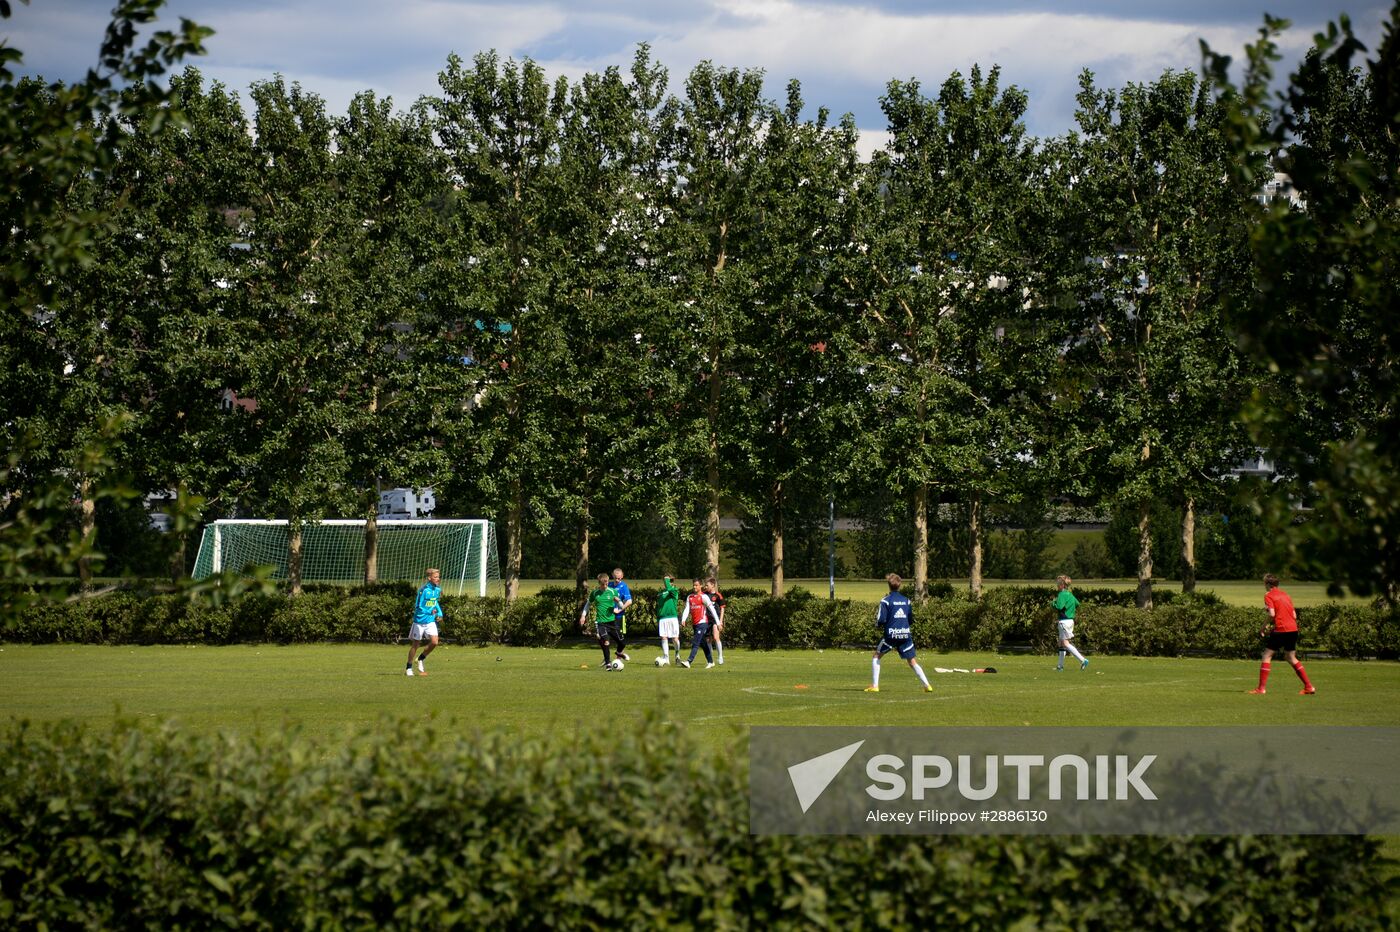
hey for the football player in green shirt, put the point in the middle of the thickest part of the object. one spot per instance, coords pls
(603, 601)
(668, 619)
(1067, 605)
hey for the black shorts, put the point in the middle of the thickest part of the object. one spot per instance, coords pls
(608, 632)
(1282, 641)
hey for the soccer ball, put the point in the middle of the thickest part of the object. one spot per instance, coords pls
(661, 661)
(617, 664)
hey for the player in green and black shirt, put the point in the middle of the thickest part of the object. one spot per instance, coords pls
(604, 602)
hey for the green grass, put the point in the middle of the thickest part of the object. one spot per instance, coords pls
(328, 690)
(1065, 540)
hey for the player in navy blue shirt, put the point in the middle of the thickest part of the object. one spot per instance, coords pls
(624, 601)
(895, 619)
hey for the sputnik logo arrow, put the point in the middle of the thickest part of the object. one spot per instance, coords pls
(811, 777)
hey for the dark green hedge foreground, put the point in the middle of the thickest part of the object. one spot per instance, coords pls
(425, 827)
(1005, 617)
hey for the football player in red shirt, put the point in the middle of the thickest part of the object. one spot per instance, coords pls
(1283, 637)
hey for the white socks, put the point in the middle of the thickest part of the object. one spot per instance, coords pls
(875, 672)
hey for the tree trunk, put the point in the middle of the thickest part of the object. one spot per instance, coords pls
(712, 476)
(372, 519)
(372, 546)
(712, 526)
(177, 559)
(777, 540)
(1144, 587)
(1188, 547)
(974, 527)
(515, 511)
(921, 542)
(294, 555)
(88, 519)
(177, 552)
(712, 414)
(581, 563)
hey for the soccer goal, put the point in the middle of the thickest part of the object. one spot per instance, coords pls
(334, 551)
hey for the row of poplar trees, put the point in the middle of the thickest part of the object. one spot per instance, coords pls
(560, 295)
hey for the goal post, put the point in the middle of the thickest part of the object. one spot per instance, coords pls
(334, 550)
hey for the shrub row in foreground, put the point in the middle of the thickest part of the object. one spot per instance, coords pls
(141, 827)
(1004, 617)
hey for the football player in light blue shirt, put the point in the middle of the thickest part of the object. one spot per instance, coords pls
(427, 612)
(895, 618)
(624, 601)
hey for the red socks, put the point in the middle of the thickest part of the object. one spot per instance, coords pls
(1265, 666)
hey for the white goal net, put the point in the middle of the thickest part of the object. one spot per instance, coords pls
(334, 551)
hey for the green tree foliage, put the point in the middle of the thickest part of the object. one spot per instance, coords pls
(806, 541)
(1323, 316)
(712, 139)
(38, 539)
(617, 449)
(405, 384)
(68, 372)
(794, 368)
(499, 124)
(1160, 234)
(291, 355)
(63, 387)
(1123, 538)
(1020, 542)
(52, 135)
(602, 312)
(161, 273)
(953, 355)
(574, 347)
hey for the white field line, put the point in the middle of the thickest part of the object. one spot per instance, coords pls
(922, 697)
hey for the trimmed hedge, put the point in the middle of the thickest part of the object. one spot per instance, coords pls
(141, 827)
(1004, 618)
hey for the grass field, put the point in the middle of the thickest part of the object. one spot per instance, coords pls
(329, 690)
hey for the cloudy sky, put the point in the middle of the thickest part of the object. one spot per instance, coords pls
(843, 51)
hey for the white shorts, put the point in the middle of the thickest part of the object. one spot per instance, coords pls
(1066, 629)
(669, 627)
(417, 632)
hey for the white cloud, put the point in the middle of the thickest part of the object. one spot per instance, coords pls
(843, 54)
(361, 47)
(871, 141)
(360, 38)
(868, 48)
(333, 49)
